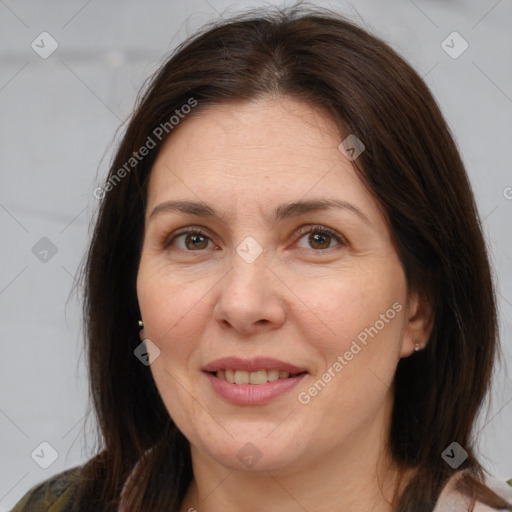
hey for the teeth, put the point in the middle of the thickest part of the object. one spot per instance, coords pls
(258, 377)
(272, 375)
(241, 377)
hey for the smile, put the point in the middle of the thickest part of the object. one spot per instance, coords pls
(245, 393)
(258, 377)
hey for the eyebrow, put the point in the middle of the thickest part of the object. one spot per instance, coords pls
(284, 211)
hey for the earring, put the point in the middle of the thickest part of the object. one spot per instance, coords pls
(417, 347)
(141, 332)
(141, 324)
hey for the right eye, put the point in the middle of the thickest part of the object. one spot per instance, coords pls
(194, 240)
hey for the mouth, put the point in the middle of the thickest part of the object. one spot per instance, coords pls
(252, 371)
(259, 377)
(254, 381)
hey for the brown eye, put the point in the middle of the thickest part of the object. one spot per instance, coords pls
(320, 238)
(196, 241)
(193, 240)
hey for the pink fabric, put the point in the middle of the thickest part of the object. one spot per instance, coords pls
(451, 501)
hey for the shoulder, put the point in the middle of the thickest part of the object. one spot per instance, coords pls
(501, 488)
(52, 495)
(453, 501)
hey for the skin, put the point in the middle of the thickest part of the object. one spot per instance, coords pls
(298, 302)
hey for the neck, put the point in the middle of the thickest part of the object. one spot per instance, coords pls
(356, 476)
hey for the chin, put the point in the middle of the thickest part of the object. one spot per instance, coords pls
(253, 451)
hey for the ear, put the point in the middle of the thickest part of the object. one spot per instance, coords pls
(419, 324)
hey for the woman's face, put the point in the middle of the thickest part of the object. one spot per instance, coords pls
(264, 286)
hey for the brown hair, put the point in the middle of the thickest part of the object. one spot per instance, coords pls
(410, 164)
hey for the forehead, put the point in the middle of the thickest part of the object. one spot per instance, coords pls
(259, 154)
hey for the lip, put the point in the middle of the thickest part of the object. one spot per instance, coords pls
(252, 394)
(251, 365)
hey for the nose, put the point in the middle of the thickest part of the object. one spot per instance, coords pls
(249, 299)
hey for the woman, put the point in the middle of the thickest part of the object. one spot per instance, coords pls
(288, 218)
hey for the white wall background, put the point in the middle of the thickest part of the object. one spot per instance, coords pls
(58, 117)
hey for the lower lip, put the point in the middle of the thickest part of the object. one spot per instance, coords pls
(253, 394)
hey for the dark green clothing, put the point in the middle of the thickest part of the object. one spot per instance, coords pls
(52, 495)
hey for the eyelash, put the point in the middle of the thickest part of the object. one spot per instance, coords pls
(302, 231)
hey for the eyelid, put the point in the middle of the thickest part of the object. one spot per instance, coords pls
(303, 230)
(311, 228)
(200, 230)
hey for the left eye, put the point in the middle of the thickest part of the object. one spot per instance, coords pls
(194, 239)
(319, 238)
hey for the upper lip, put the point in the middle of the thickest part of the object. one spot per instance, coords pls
(251, 365)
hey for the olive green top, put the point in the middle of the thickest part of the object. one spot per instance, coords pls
(52, 495)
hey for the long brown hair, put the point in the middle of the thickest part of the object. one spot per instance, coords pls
(412, 167)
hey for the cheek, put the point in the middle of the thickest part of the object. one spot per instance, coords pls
(356, 330)
(169, 303)
(174, 315)
(355, 335)
(341, 308)
(176, 308)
